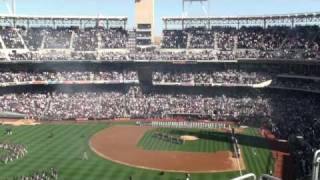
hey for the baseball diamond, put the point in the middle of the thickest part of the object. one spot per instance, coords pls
(123, 147)
(159, 90)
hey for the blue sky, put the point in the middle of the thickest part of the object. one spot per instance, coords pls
(163, 8)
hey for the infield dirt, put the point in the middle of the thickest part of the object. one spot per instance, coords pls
(119, 144)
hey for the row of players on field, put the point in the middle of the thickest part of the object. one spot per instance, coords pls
(169, 138)
(49, 174)
(184, 124)
(12, 152)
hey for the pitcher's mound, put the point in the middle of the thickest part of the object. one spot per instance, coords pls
(189, 138)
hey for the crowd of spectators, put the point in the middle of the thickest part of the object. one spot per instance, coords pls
(299, 84)
(219, 43)
(33, 38)
(262, 39)
(11, 38)
(57, 38)
(50, 174)
(6, 77)
(204, 55)
(226, 39)
(85, 40)
(229, 76)
(297, 119)
(132, 103)
(114, 38)
(273, 42)
(174, 39)
(11, 152)
(292, 117)
(121, 56)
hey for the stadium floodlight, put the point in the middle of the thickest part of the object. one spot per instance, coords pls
(10, 5)
(316, 165)
(203, 3)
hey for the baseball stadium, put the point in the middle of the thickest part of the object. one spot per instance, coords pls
(167, 90)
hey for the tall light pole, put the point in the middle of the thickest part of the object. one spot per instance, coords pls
(204, 3)
(13, 7)
(10, 5)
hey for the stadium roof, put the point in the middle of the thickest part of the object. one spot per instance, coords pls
(297, 15)
(121, 18)
(264, 20)
(54, 21)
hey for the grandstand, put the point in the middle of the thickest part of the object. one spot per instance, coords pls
(273, 38)
(244, 85)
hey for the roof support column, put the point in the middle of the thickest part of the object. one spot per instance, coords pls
(54, 23)
(182, 23)
(292, 22)
(28, 23)
(14, 22)
(165, 24)
(80, 24)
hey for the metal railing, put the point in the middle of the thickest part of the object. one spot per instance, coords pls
(316, 165)
(246, 176)
(269, 177)
(254, 177)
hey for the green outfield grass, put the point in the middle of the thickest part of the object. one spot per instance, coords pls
(257, 155)
(3, 152)
(209, 141)
(64, 151)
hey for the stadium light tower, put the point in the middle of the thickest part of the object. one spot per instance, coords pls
(205, 4)
(10, 5)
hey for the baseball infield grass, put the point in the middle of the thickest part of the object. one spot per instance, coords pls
(209, 141)
(62, 146)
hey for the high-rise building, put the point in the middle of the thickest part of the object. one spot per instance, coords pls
(144, 22)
